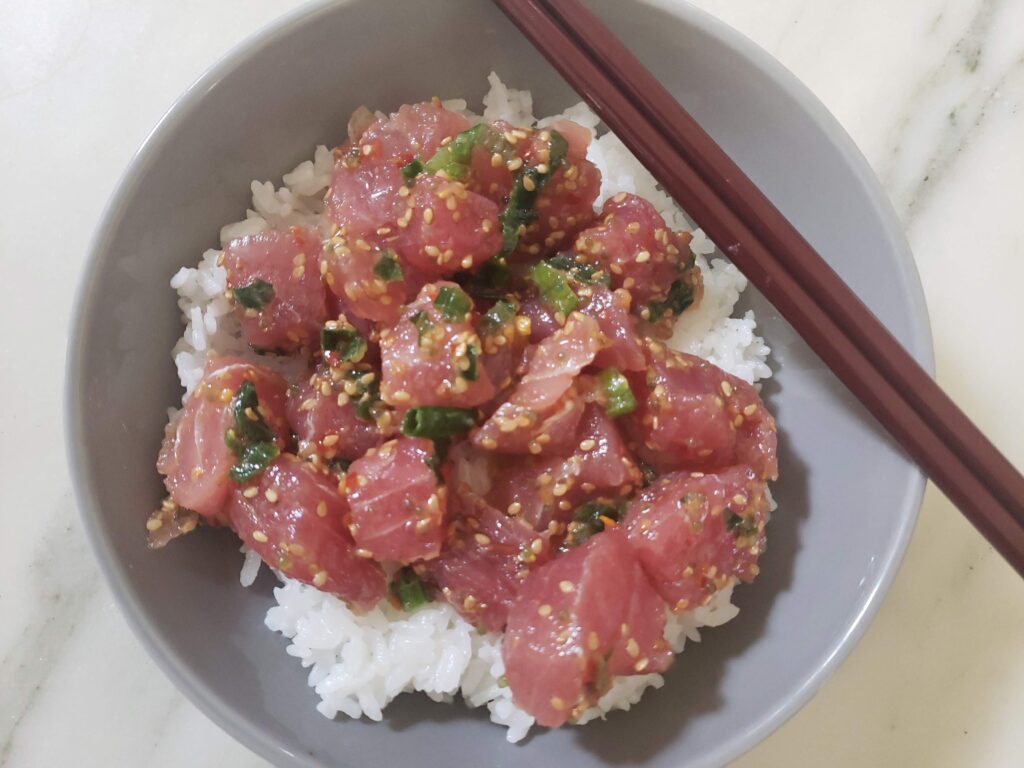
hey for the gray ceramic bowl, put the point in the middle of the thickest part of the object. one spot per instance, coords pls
(848, 498)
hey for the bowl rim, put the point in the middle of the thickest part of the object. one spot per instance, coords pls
(116, 576)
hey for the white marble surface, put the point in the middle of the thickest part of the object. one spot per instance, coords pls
(931, 90)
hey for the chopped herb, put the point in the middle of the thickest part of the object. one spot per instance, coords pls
(590, 518)
(489, 282)
(581, 271)
(338, 465)
(519, 211)
(407, 588)
(253, 460)
(619, 399)
(554, 288)
(648, 472)
(741, 526)
(422, 322)
(343, 341)
(256, 295)
(412, 169)
(437, 422)
(679, 297)
(367, 394)
(472, 353)
(250, 438)
(453, 303)
(454, 157)
(387, 267)
(497, 317)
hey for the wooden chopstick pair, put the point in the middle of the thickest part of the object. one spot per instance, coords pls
(833, 321)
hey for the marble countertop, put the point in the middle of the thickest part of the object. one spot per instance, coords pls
(933, 93)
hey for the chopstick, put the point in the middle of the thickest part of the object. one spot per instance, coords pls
(787, 270)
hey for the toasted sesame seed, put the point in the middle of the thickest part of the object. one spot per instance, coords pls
(363, 553)
(428, 215)
(528, 184)
(260, 536)
(271, 495)
(750, 410)
(514, 508)
(515, 164)
(641, 665)
(251, 492)
(330, 440)
(726, 388)
(633, 648)
(154, 524)
(557, 703)
(544, 610)
(321, 509)
(320, 578)
(536, 546)
(566, 586)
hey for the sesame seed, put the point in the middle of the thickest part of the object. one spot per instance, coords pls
(515, 164)
(250, 493)
(428, 215)
(536, 546)
(557, 703)
(641, 665)
(593, 641)
(271, 495)
(497, 160)
(363, 553)
(320, 579)
(633, 648)
(154, 524)
(528, 184)
(566, 586)
(321, 509)
(544, 610)
(330, 440)
(726, 388)
(750, 410)
(643, 256)
(514, 508)
(260, 536)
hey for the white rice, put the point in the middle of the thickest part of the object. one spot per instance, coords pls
(358, 664)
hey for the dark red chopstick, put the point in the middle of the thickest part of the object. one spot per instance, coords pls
(784, 267)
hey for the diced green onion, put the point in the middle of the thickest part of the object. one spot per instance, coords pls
(408, 589)
(679, 297)
(581, 271)
(253, 460)
(590, 518)
(741, 526)
(453, 303)
(255, 295)
(497, 317)
(554, 288)
(519, 212)
(250, 438)
(388, 268)
(248, 429)
(422, 322)
(367, 391)
(412, 169)
(344, 341)
(437, 422)
(619, 399)
(454, 157)
(472, 353)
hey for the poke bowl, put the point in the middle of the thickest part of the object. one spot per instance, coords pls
(472, 529)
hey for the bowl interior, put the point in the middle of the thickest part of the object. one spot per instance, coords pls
(834, 543)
